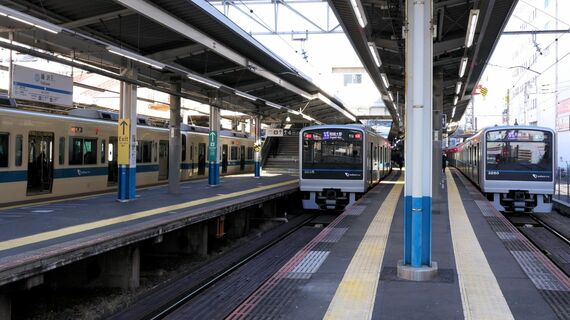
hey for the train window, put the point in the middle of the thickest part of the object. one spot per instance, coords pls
(192, 152)
(61, 150)
(183, 137)
(75, 151)
(153, 151)
(19, 139)
(249, 153)
(4, 137)
(82, 151)
(103, 153)
(234, 153)
(144, 151)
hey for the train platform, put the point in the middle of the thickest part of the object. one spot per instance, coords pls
(40, 237)
(486, 268)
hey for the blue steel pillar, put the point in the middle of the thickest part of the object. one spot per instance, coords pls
(257, 147)
(417, 264)
(213, 148)
(128, 163)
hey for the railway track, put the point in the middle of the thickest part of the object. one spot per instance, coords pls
(200, 293)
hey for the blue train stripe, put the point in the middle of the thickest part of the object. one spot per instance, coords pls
(13, 176)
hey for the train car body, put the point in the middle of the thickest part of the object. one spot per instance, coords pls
(512, 165)
(45, 156)
(338, 163)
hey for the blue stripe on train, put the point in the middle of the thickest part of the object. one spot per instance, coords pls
(22, 175)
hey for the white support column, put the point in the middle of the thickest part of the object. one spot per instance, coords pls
(417, 264)
(127, 137)
(174, 147)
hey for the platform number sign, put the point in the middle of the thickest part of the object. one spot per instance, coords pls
(124, 131)
(212, 146)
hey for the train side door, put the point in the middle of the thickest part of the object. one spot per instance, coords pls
(201, 159)
(242, 158)
(163, 160)
(371, 163)
(40, 162)
(112, 164)
(224, 158)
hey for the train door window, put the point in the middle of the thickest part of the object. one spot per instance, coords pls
(249, 153)
(183, 148)
(4, 137)
(19, 142)
(201, 158)
(40, 162)
(224, 158)
(153, 151)
(144, 151)
(61, 154)
(242, 158)
(112, 165)
(234, 153)
(103, 153)
(75, 151)
(90, 151)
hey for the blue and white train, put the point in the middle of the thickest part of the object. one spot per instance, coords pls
(43, 156)
(339, 163)
(512, 165)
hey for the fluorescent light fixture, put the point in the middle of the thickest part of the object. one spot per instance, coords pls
(245, 95)
(455, 100)
(308, 97)
(391, 96)
(458, 87)
(359, 12)
(274, 105)
(374, 53)
(348, 115)
(295, 112)
(462, 66)
(385, 80)
(453, 113)
(204, 81)
(288, 119)
(135, 57)
(471, 26)
(30, 20)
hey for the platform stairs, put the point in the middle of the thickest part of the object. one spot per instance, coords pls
(282, 155)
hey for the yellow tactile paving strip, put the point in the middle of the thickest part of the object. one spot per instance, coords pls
(18, 242)
(355, 295)
(480, 293)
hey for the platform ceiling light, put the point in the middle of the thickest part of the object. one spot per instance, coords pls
(30, 20)
(204, 81)
(391, 96)
(245, 95)
(288, 119)
(471, 26)
(455, 100)
(274, 105)
(453, 113)
(375, 54)
(462, 66)
(385, 80)
(135, 57)
(295, 112)
(458, 87)
(359, 12)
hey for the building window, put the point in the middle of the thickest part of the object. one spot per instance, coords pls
(352, 78)
(546, 3)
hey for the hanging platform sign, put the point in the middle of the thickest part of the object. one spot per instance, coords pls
(213, 146)
(42, 86)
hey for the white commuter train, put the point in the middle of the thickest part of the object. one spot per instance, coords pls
(46, 156)
(339, 163)
(512, 165)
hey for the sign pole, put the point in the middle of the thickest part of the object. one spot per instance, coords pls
(257, 147)
(127, 139)
(213, 139)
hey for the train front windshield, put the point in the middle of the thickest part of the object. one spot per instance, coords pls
(524, 155)
(332, 154)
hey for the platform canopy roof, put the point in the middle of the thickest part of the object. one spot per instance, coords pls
(383, 30)
(169, 41)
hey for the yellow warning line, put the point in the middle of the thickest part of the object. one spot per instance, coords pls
(14, 243)
(480, 293)
(355, 295)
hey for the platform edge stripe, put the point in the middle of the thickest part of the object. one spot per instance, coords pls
(49, 235)
(481, 294)
(356, 293)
